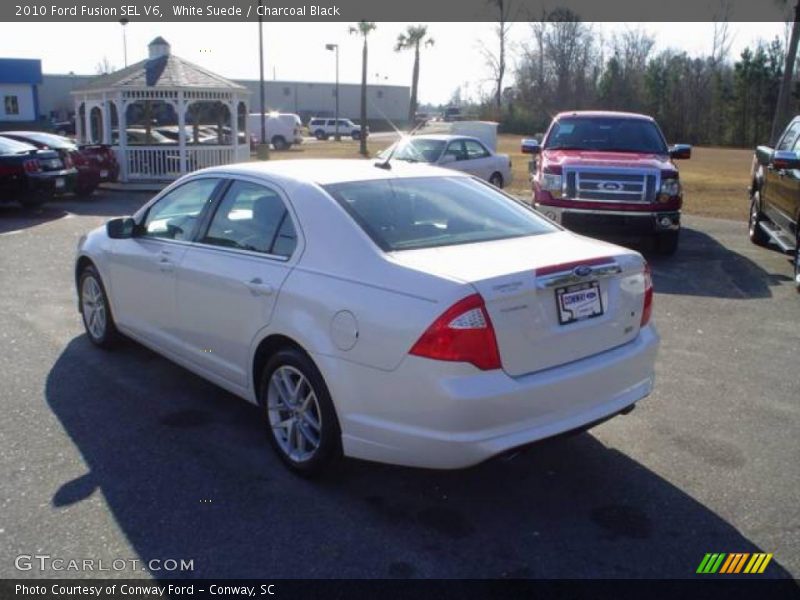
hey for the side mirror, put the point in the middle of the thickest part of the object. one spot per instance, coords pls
(764, 155)
(785, 160)
(447, 159)
(121, 228)
(531, 146)
(680, 151)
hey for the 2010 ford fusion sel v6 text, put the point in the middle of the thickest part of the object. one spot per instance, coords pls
(393, 312)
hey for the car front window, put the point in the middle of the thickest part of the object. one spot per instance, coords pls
(606, 134)
(427, 212)
(176, 215)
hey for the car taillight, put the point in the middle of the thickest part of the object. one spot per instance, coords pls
(647, 309)
(463, 333)
(78, 158)
(32, 166)
(67, 160)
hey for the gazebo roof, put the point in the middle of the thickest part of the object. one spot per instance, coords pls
(163, 71)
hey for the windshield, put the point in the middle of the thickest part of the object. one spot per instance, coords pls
(427, 212)
(606, 134)
(417, 150)
(8, 146)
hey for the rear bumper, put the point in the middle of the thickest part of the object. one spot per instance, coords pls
(53, 182)
(618, 223)
(449, 415)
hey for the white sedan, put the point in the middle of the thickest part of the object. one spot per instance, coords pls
(457, 152)
(409, 314)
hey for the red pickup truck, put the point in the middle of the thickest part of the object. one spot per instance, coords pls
(611, 174)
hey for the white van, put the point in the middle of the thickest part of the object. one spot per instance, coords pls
(283, 129)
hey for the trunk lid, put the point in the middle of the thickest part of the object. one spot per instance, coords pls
(533, 292)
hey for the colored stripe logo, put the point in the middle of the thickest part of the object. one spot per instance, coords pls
(736, 562)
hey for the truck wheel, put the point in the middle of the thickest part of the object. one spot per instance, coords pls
(667, 243)
(356, 135)
(279, 143)
(757, 235)
(496, 180)
(320, 135)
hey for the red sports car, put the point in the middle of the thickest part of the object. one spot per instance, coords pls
(96, 163)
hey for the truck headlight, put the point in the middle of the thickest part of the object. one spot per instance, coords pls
(670, 188)
(552, 182)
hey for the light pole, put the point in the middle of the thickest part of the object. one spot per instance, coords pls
(263, 148)
(335, 47)
(124, 22)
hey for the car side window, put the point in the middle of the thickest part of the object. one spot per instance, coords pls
(252, 217)
(475, 150)
(331, 123)
(456, 150)
(176, 215)
(789, 138)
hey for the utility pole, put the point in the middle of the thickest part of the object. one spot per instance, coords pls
(335, 47)
(124, 22)
(263, 148)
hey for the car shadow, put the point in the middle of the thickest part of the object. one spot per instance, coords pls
(187, 473)
(704, 267)
(102, 203)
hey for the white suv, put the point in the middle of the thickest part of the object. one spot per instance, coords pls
(322, 129)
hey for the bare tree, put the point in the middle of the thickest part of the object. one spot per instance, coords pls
(496, 60)
(784, 95)
(104, 67)
(364, 28)
(411, 39)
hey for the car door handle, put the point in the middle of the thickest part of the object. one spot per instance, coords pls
(258, 288)
(165, 265)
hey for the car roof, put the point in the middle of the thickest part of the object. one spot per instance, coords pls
(444, 137)
(602, 113)
(330, 171)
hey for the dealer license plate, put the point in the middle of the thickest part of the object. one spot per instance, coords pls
(104, 173)
(59, 182)
(578, 302)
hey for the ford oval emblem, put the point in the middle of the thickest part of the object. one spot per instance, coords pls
(610, 186)
(582, 271)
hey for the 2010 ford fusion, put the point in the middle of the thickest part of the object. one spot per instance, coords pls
(392, 312)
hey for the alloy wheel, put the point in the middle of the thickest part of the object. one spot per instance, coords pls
(294, 413)
(94, 307)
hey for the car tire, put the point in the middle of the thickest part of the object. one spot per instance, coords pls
(320, 135)
(496, 180)
(31, 201)
(302, 426)
(279, 143)
(757, 235)
(355, 135)
(667, 242)
(95, 310)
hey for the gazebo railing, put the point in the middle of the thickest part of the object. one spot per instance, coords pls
(163, 162)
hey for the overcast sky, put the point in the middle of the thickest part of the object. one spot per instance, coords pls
(296, 51)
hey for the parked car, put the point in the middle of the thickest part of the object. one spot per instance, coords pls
(322, 129)
(452, 113)
(410, 315)
(31, 176)
(95, 163)
(172, 133)
(462, 153)
(609, 173)
(775, 195)
(138, 136)
(283, 130)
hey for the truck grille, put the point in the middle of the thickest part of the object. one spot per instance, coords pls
(617, 185)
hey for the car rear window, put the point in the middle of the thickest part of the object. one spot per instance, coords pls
(606, 134)
(9, 146)
(54, 141)
(427, 212)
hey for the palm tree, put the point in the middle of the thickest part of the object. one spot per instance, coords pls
(784, 95)
(363, 29)
(413, 37)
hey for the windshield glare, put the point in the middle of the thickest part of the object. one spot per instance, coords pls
(419, 150)
(427, 212)
(606, 134)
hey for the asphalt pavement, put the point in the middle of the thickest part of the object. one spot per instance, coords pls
(124, 455)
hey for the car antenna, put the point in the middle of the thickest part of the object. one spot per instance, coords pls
(385, 164)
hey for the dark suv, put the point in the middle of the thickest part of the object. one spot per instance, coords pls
(775, 195)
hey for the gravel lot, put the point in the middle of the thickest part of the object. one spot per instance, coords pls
(125, 455)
